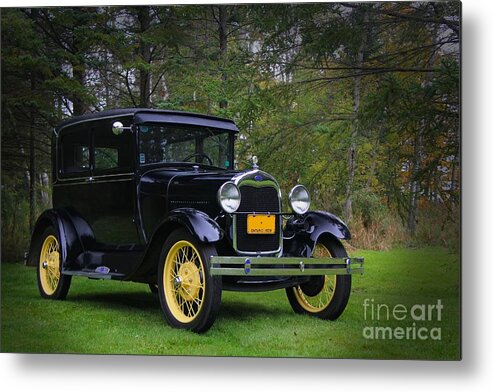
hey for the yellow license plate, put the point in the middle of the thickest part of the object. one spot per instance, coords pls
(261, 224)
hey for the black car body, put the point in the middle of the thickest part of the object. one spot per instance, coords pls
(152, 196)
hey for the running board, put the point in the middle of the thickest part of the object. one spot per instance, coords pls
(95, 275)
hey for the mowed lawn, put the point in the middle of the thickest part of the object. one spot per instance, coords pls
(110, 317)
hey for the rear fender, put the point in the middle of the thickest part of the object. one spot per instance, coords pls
(74, 234)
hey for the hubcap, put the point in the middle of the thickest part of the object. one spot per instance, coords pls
(177, 282)
(189, 278)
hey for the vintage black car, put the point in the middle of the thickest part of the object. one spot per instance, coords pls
(153, 196)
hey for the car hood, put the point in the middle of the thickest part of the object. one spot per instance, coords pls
(184, 183)
(189, 187)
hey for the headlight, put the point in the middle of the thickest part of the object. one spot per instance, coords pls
(299, 198)
(229, 197)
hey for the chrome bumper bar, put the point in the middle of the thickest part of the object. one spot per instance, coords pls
(284, 266)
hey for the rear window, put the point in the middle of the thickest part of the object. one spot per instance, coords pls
(75, 152)
(93, 149)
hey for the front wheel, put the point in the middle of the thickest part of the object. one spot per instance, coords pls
(326, 296)
(190, 297)
(51, 283)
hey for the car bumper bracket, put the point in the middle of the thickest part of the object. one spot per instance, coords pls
(285, 266)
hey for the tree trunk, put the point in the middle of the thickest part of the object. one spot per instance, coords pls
(415, 187)
(32, 177)
(32, 162)
(44, 183)
(223, 49)
(79, 73)
(354, 125)
(145, 54)
(374, 157)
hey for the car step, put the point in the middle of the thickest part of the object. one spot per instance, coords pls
(95, 275)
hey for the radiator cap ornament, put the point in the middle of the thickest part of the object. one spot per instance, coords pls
(255, 161)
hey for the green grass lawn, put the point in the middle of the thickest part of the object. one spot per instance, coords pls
(125, 318)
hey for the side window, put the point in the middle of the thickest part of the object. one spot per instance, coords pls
(74, 152)
(112, 152)
(106, 158)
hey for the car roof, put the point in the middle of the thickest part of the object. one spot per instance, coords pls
(141, 115)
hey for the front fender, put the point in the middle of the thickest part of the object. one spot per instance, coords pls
(199, 224)
(324, 222)
(307, 229)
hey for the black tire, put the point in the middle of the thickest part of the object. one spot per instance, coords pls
(333, 297)
(52, 284)
(190, 297)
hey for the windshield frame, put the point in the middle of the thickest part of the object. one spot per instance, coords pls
(230, 146)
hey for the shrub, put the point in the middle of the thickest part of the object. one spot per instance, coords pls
(374, 225)
(438, 225)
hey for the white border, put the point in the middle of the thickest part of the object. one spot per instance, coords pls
(135, 373)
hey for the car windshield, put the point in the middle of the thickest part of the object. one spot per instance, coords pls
(162, 143)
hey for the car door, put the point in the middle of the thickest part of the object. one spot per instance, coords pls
(72, 177)
(113, 187)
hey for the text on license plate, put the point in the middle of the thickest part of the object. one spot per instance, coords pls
(261, 224)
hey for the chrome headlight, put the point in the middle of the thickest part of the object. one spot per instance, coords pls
(229, 197)
(299, 198)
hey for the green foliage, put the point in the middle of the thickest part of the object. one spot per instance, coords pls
(369, 207)
(306, 84)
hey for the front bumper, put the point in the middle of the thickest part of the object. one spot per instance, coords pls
(284, 266)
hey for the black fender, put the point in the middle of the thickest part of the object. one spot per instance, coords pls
(324, 222)
(74, 233)
(198, 223)
(302, 232)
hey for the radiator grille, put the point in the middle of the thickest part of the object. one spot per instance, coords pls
(259, 200)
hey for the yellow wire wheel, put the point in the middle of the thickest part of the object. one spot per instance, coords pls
(184, 281)
(49, 265)
(321, 300)
(51, 282)
(322, 296)
(189, 296)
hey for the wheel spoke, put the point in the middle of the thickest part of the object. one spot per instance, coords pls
(189, 310)
(184, 257)
(198, 300)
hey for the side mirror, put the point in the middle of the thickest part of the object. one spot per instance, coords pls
(118, 128)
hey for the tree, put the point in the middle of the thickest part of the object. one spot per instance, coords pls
(360, 101)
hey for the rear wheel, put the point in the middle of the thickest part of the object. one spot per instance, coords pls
(326, 296)
(190, 297)
(51, 283)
